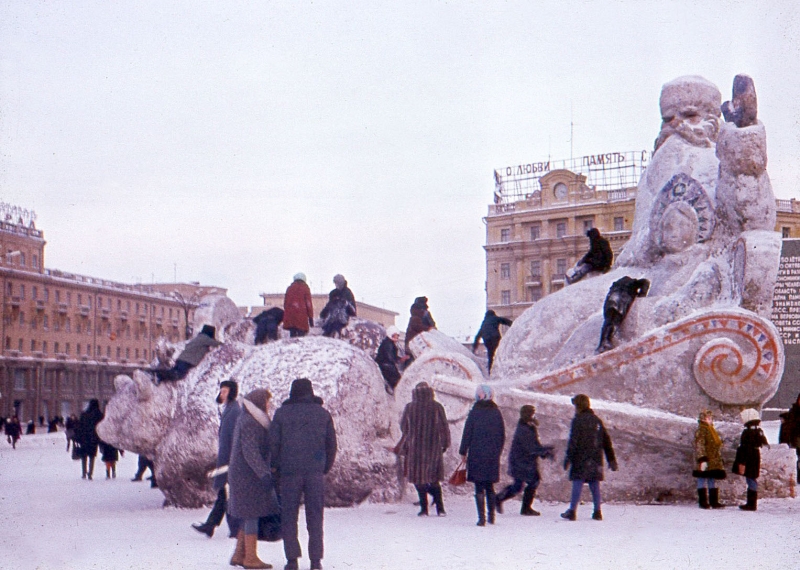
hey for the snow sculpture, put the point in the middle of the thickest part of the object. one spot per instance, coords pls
(176, 423)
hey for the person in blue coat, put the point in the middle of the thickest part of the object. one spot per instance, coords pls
(523, 462)
(481, 446)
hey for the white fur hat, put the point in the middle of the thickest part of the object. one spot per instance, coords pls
(749, 415)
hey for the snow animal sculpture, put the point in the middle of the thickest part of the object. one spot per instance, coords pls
(176, 423)
(703, 235)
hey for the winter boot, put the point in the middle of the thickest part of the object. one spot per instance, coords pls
(422, 491)
(83, 468)
(291, 564)
(527, 500)
(238, 555)
(114, 472)
(752, 501)
(251, 559)
(91, 467)
(316, 565)
(436, 490)
(205, 528)
(491, 503)
(597, 515)
(480, 503)
(702, 499)
(713, 499)
(108, 473)
(570, 515)
(503, 495)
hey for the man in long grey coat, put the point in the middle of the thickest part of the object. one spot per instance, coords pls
(303, 449)
(228, 392)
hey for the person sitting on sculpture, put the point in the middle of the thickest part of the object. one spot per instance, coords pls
(267, 325)
(617, 304)
(191, 355)
(598, 258)
(343, 290)
(336, 314)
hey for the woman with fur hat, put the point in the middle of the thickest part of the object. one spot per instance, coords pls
(250, 478)
(298, 312)
(523, 462)
(708, 461)
(481, 446)
(748, 456)
(389, 360)
(588, 441)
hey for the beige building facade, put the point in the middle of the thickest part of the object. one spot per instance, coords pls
(65, 336)
(536, 229)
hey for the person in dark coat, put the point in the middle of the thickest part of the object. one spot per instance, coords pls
(588, 441)
(228, 391)
(143, 464)
(342, 290)
(86, 436)
(303, 446)
(110, 455)
(426, 436)
(70, 427)
(194, 351)
(13, 431)
(481, 446)
(250, 477)
(790, 430)
(598, 258)
(618, 302)
(298, 312)
(336, 314)
(388, 359)
(420, 321)
(490, 333)
(267, 325)
(523, 462)
(748, 456)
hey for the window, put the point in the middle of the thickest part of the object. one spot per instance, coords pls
(58, 296)
(128, 353)
(35, 260)
(536, 232)
(46, 294)
(34, 292)
(33, 345)
(9, 289)
(137, 354)
(144, 353)
(19, 345)
(505, 297)
(80, 299)
(587, 225)
(45, 322)
(561, 229)
(785, 232)
(57, 324)
(505, 235)
(505, 271)
(69, 297)
(66, 348)
(33, 322)
(22, 259)
(22, 292)
(68, 325)
(89, 302)
(536, 268)
(8, 343)
(108, 352)
(77, 349)
(97, 350)
(119, 353)
(22, 319)
(19, 379)
(561, 268)
(170, 311)
(55, 347)
(119, 304)
(534, 293)
(44, 346)
(619, 224)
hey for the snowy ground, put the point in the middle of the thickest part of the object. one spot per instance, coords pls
(52, 519)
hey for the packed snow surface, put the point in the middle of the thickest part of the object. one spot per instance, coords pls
(54, 520)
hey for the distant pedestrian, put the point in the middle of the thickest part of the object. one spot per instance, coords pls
(388, 359)
(490, 333)
(599, 258)
(228, 392)
(481, 446)
(588, 442)
(110, 455)
(523, 462)
(52, 425)
(13, 431)
(194, 351)
(342, 290)
(31, 429)
(250, 478)
(748, 456)
(71, 426)
(143, 464)
(426, 436)
(303, 449)
(709, 467)
(86, 435)
(267, 323)
(298, 311)
(790, 430)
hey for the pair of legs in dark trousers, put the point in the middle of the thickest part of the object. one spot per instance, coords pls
(485, 500)
(491, 345)
(215, 517)
(311, 487)
(527, 497)
(87, 472)
(435, 490)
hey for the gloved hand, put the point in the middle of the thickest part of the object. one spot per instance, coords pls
(613, 465)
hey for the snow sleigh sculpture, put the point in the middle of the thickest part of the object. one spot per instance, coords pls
(177, 423)
(703, 236)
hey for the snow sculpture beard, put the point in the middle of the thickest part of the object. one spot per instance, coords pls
(702, 133)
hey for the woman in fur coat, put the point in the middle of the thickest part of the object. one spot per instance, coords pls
(708, 461)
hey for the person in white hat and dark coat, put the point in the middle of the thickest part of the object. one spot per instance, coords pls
(748, 456)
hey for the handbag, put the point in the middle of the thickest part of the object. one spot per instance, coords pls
(76, 452)
(459, 476)
(269, 526)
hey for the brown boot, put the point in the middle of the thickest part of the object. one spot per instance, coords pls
(238, 555)
(251, 559)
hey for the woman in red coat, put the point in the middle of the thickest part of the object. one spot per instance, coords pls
(298, 312)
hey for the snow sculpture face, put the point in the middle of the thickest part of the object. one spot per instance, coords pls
(690, 108)
(678, 228)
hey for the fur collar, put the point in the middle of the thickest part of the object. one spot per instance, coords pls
(259, 415)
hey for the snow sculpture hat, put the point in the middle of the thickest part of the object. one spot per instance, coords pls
(483, 392)
(749, 415)
(689, 91)
(300, 277)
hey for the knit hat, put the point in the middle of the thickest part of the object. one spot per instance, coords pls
(749, 415)
(300, 389)
(260, 397)
(484, 392)
(392, 330)
(339, 281)
(300, 277)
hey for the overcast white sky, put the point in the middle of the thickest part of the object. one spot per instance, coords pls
(237, 143)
